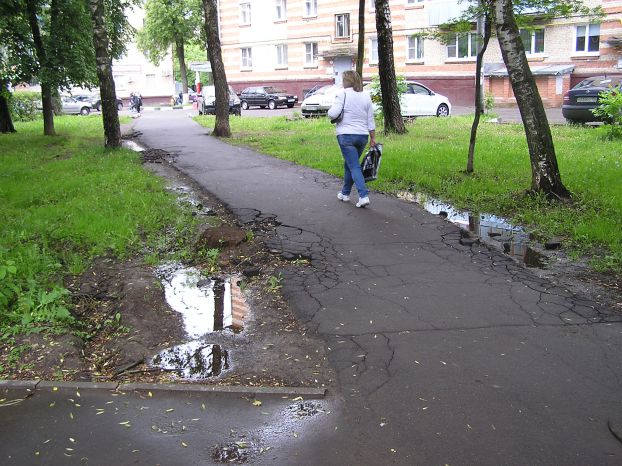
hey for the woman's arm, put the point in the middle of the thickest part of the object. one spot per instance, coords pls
(335, 109)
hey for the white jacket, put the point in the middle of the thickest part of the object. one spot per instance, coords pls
(358, 116)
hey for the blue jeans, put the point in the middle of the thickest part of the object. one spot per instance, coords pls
(352, 146)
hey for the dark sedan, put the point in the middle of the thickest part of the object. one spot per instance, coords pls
(207, 102)
(583, 98)
(266, 96)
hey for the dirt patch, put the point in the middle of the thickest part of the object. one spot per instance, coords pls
(126, 320)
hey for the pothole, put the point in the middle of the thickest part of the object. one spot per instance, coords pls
(306, 408)
(233, 452)
(194, 360)
(511, 239)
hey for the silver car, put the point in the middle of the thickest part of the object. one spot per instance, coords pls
(72, 106)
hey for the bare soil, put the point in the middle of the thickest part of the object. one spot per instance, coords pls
(126, 320)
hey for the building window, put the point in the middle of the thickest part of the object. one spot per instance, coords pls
(588, 38)
(342, 25)
(281, 9)
(281, 55)
(462, 46)
(373, 51)
(245, 13)
(533, 41)
(414, 2)
(415, 48)
(372, 5)
(310, 7)
(247, 58)
(311, 54)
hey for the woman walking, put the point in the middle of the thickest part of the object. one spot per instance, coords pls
(352, 132)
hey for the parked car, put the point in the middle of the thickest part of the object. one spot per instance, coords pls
(318, 103)
(266, 96)
(419, 100)
(72, 106)
(207, 102)
(95, 101)
(581, 99)
(192, 96)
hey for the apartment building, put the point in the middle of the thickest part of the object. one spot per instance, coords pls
(297, 44)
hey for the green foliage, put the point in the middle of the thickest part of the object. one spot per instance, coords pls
(167, 22)
(65, 202)
(25, 106)
(274, 282)
(610, 110)
(376, 94)
(430, 159)
(489, 102)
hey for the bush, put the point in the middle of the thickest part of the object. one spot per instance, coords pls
(25, 105)
(610, 110)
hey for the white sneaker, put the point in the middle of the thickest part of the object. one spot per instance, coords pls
(343, 197)
(364, 201)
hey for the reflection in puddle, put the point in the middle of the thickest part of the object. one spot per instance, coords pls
(193, 360)
(206, 305)
(490, 228)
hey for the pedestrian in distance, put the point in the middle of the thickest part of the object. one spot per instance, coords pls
(353, 114)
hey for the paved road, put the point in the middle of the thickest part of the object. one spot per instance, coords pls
(445, 354)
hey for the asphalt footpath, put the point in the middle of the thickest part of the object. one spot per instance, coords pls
(445, 353)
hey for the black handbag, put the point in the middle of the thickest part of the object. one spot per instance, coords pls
(371, 163)
(340, 116)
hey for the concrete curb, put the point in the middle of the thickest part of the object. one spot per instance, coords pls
(44, 385)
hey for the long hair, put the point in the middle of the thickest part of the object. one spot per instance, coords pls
(351, 78)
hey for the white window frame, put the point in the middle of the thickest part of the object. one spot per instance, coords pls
(372, 5)
(281, 55)
(414, 2)
(310, 9)
(373, 51)
(415, 50)
(587, 28)
(247, 58)
(471, 43)
(533, 32)
(245, 14)
(311, 54)
(280, 10)
(342, 21)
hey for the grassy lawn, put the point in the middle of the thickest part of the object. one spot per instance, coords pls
(431, 158)
(64, 201)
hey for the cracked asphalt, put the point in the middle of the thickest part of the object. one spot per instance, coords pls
(446, 354)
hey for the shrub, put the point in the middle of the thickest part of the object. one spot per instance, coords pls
(610, 110)
(25, 105)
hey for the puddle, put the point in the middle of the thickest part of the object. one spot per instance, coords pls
(513, 240)
(132, 145)
(306, 408)
(206, 304)
(185, 195)
(234, 452)
(193, 360)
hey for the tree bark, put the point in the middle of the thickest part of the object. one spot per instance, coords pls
(107, 92)
(181, 57)
(545, 176)
(6, 122)
(221, 88)
(46, 87)
(478, 93)
(393, 121)
(360, 53)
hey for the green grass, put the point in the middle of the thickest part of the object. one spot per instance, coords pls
(431, 158)
(64, 200)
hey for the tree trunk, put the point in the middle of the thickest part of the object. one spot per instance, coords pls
(107, 92)
(6, 122)
(46, 87)
(545, 176)
(221, 88)
(181, 57)
(393, 121)
(360, 53)
(478, 93)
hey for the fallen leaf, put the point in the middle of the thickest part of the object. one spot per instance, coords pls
(170, 410)
(298, 398)
(256, 403)
(184, 444)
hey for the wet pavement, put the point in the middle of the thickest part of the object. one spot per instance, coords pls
(447, 352)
